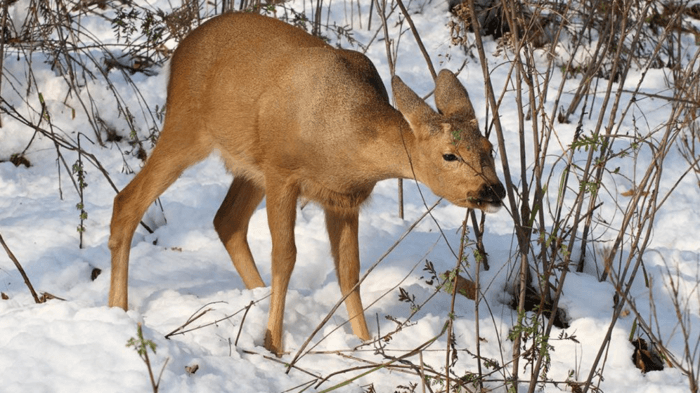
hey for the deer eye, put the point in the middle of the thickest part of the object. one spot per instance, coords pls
(449, 157)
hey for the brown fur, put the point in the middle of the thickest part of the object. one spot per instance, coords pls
(296, 118)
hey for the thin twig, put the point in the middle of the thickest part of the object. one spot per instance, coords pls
(418, 39)
(5, 4)
(178, 331)
(451, 316)
(21, 270)
(240, 327)
(384, 365)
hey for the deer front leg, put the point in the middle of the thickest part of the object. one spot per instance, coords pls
(342, 228)
(281, 216)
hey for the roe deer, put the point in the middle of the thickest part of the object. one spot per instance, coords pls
(296, 118)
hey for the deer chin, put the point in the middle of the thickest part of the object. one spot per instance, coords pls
(487, 206)
(492, 207)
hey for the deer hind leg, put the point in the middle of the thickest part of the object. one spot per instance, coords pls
(231, 223)
(171, 156)
(342, 228)
(281, 217)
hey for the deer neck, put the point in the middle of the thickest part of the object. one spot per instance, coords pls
(392, 152)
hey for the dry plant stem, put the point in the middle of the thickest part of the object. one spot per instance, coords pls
(676, 99)
(400, 368)
(189, 321)
(276, 360)
(61, 143)
(616, 314)
(526, 73)
(160, 375)
(240, 327)
(418, 39)
(586, 172)
(651, 182)
(21, 270)
(192, 319)
(406, 366)
(607, 135)
(519, 76)
(548, 120)
(550, 125)
(399, 186)
(59, 155)
(542, 134)
(414, 352)
(387, 42)
(578, 207)
(154, 385)
(606, 149)
(81, 193)
(477, 299)
(3, 24)
(376, 32)
(72, 83)
(647, 329)
(302, 387)
(379, 337)
(299, 354)
(392, 69)
(478, 229)
(689, 355)
(382, 337)
(521, 314)
(523, 244)
(488, 88)
(591, 69)
(450, 317)
(57, 31)
(317, 18)
(422, 372)
(506, 169)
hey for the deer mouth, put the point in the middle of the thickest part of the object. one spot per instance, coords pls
(488, 199)
(486, 205)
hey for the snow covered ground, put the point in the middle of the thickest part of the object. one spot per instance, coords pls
(79, 345)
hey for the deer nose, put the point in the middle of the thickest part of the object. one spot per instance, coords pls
(492, 192)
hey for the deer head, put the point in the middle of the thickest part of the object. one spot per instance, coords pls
(453, 159)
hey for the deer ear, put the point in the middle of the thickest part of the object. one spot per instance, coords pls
(451, 98)
(412, 107)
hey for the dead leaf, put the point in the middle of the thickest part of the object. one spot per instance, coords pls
(465, 287)
(631, 193)
(645, 358)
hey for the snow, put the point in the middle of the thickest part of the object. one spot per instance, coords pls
(79, 344)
